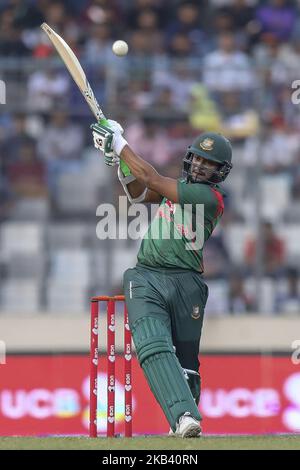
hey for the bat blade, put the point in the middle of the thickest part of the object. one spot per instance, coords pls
(75, 69)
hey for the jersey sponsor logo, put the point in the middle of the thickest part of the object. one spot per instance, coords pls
(196, 312)
(207, 144)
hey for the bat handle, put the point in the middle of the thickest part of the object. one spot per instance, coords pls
(124, 168)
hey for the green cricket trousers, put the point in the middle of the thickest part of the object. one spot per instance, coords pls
(177, 298)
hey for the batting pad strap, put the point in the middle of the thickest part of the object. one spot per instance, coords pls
(125, 180)
(190, 372)
(194, 382)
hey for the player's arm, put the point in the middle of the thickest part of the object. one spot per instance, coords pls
(136, 188)
(148, 177)
(176, 191)
(142, 183)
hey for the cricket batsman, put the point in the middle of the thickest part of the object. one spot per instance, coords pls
(165, 293)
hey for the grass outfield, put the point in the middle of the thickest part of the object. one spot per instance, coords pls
(152, 443)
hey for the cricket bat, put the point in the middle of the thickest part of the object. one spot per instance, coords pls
(75, 69)
(73, 65)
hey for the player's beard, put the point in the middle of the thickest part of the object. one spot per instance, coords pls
(200, 173)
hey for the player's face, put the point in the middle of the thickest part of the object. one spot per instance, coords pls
(202, 169)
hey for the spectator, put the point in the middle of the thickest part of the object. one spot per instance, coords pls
(180, 46)
(273, 252)
(279, 149)
(293, 214)
(223, 23)
(137, 94)
(277, 17)
(204, 113)
(26, 14)
(180, 134)
(140, 46)
(163, 101)
(46, 87)
(14, 140)
(148, 25)
(295, 187)
(11, 43)
(134, 9)
(288, 58)
(267, 51)
(56, 15)
(238, 121)
(98, 46)
(149, 139)
(218, 301)
(238, 17)
(61, 139)
(27, 175)
(215, 257)
(60, 145)
(241, 14)
(147, 38)
(239, 300)
(289, 302)
(227, 68)
(180, 80)
(187, 24)
(103, 12)
(6, 198)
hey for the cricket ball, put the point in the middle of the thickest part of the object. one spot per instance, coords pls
(120, 48)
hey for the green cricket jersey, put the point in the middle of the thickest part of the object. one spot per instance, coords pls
(177, 233)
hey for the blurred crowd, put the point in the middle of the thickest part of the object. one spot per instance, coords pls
(223, 65)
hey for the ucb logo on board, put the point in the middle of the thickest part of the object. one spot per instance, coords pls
(2, 92)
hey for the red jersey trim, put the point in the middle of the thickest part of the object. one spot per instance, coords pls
(220, 206)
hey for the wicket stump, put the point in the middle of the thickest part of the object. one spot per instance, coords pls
(94, 352)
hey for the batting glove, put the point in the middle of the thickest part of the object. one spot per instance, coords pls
(107, 137)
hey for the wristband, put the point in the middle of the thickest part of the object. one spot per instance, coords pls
(119, 143)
